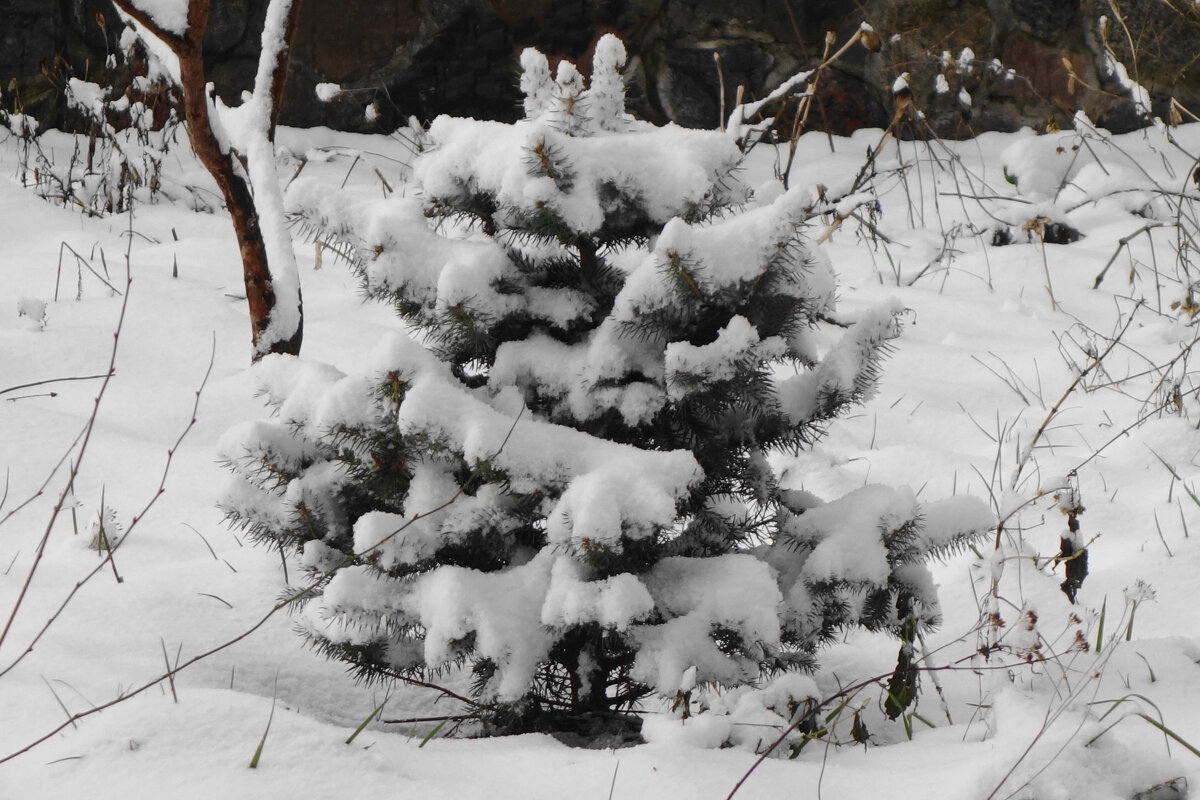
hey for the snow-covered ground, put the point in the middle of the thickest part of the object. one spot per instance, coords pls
(983, 360)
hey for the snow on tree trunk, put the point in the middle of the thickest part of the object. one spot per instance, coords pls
(565, 486)
(237, 147)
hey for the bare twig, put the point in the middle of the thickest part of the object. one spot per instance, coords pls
(53, 380)
(88, 427)
(113, 546)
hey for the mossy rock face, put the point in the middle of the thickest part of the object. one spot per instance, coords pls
(427, 57)
(42, 44)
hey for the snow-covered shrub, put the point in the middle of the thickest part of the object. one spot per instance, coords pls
(130, 121)
(566, 487)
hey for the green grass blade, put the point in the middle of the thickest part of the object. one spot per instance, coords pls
(612, 787)
(261, 742)
(432, 734)
(1172, 734)
(373, 715)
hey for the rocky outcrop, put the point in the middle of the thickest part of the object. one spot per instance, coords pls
(1029, 62)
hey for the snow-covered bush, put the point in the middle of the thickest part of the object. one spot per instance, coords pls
(566, 488)
(129, 117)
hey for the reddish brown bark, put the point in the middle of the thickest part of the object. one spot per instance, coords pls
(256, 271)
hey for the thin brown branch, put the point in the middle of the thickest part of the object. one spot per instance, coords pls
(420, 684)
(1095, 362)
(164, 677)
(114, 546)
(42, 489)
(1122, 243)
(297, 597)
(414, 720)
(67, 490)
(193, 82)
(52, 380)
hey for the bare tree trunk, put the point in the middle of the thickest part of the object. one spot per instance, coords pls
(267, 334)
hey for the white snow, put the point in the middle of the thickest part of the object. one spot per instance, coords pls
(613, 602)
(718, 360)
(966, 60)
(846, 535)
(327, 91)
(606, 90)
(87, 96)
(493, 156)
(170, 15)
(1137, 93)
(536, 84)
(735, 591)
(942, 424)
(34, 309)
(737, 126)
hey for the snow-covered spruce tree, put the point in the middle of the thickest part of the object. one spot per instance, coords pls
(566, 488)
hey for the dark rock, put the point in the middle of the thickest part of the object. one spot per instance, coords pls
(844, 103)
(1122, 117)
(233, 75)
(689, 86)
(1060, 233)
(425, 57)
(1041, 74)
(1047, 19)
(347, 41)
(1165, 37)
(228, 22)
(1052, 233)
